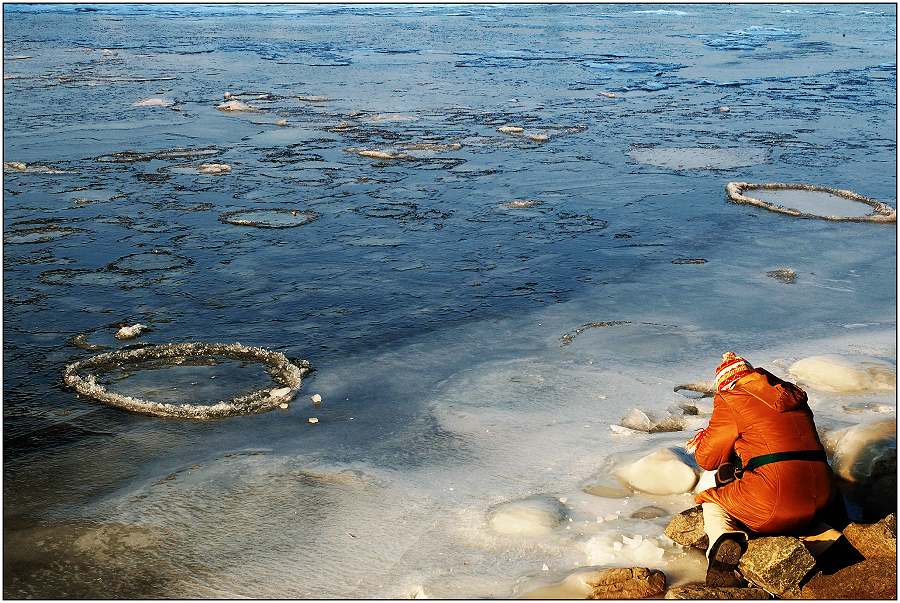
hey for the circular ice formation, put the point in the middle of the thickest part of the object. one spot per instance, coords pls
(264, 217)
(531, 516)
(880, 212)
(287, 374)
(843, 375)
(40, 234)
(153, 261)
(660, 472)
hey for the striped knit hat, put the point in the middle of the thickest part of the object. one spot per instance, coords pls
(732, 368)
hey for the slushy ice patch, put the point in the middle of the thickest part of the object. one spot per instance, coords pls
(276, 217)
(286, 375)
(845, 374)
(698, 158)
(811, 201)
(179, 153)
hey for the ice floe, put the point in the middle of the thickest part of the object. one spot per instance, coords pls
(845, 374)
(698, 158)
(236, 106)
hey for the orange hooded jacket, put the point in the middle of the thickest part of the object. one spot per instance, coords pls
(762, 414)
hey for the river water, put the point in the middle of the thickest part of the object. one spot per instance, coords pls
(432, 312)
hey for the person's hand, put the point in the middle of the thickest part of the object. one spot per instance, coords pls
(691, 445)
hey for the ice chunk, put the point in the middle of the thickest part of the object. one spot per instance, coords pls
(510, 129)
(531, 516)
(845, 375)
(214, 168)
(641, 421)
(235, 106)
(660, 472)
(609, 549)
(865, 451)
(132, 331)
(154, 102)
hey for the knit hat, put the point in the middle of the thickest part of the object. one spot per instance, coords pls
(732, 368)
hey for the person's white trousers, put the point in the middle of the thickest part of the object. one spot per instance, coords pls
(716, 521)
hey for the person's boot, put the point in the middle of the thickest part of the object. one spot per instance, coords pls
(723, 561)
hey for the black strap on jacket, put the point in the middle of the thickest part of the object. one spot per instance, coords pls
(794, 455)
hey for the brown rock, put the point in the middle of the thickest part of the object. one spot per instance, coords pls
(874, 578)
(627, 583)
(701, 591)
(777, 564)
(874, 540)
(686, 528)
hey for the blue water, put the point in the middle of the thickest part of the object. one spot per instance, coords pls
(413, 273)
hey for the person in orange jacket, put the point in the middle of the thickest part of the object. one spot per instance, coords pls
(762, 426)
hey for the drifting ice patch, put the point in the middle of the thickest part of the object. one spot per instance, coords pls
(660, 472)
(132, 331)
(39, 234)
(611, 549)
(811, 201)
(165, 103)
(236, 106)
(284, 372)
(845, 375)
(531, 516)
(276, 217)
(698, 158)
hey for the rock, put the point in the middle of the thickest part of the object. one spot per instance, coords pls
(649, 512)
(686, 528)
(214, 168)
(715, 593)
(605, 583)
(869, 579)
(845, 375)
(530, 516)
(776, 563)
(874, 540)
(510, 130)
(660, 472)
(131, 332)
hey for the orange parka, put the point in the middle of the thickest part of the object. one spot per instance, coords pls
(762, 414)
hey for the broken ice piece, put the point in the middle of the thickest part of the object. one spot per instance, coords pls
(510, 129)
(131, 332)
(316, 399)
(283, 405)
(313, 420)
(279, 392)
(545, 568)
